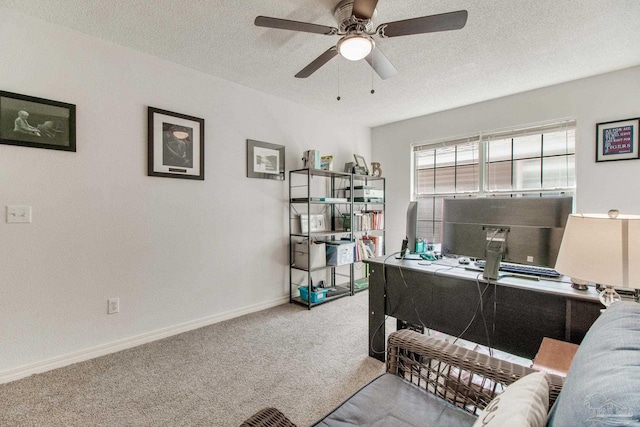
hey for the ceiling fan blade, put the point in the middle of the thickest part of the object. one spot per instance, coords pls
(317, 63)
(363, 9)
(381, 65)
(285, 24)
(425, 24)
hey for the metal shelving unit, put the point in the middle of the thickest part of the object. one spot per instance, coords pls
(375, 206)
(322, 198)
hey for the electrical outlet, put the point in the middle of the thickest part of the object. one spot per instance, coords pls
(113, 306)
(18, 213)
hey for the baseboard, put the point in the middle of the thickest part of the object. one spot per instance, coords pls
(115, 346)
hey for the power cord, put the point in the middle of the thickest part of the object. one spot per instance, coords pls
(384, 281)
(479, 305)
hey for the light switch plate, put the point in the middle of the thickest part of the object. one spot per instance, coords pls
(18, 213)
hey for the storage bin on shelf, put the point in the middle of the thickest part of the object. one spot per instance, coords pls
(316, 252)
(316, 296)
(340, 252)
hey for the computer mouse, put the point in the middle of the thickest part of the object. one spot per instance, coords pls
(464, 260)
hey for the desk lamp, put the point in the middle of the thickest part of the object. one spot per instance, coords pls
(602, 249)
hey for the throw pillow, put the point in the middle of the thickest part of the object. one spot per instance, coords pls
(524, 403)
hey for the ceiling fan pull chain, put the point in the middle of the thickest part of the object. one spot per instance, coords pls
(372, 68)
(338, 81)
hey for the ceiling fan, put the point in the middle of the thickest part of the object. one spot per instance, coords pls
(356, 28)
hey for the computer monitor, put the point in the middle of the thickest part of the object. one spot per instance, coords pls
(522, 230)
(412, 226)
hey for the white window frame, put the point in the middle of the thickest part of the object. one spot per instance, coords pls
(483, 139)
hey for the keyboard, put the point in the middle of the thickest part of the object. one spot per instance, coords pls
(524, 269)
(410, 257)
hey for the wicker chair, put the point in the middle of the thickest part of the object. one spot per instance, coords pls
(268, 417)
(463, 377)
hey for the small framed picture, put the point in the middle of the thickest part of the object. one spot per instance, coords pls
(176, 145)
(312, 223)
(361, 164)
(265, 160)
(617, 140)
(35, 122)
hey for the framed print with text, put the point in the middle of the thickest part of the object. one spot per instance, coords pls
(37, 122)
(176, 145)
(617, 140)
(265, 160)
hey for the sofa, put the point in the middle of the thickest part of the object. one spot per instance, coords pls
(429, 382)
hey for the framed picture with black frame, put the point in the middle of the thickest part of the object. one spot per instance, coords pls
(265, 160)
(176, 145)
(617, 140)
(37, 122)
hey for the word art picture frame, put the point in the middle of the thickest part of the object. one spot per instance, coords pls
(265, 160)
(37, 122)
(176, 145)
(617, 140)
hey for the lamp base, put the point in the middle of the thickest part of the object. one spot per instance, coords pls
(625, 294)
(579, 286)
(608, 296)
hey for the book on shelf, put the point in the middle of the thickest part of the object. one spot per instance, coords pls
(363, 249)
(368, 247)
(368, 220)
(375, 243)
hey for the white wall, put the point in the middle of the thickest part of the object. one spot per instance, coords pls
(600, 186)
(178, 253)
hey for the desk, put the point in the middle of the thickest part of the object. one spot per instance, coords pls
(444, 296)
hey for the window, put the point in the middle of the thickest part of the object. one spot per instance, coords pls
(534, 161)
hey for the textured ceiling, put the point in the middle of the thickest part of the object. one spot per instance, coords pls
(507, 46)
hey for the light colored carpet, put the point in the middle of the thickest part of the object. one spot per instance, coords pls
(303, 362)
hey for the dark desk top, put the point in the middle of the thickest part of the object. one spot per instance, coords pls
(449, 267)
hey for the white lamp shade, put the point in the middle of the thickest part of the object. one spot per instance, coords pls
(600, 249)
(355, 47)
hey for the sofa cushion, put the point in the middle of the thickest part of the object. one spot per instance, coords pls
(390, 401)
(603, 383)
(524, 403)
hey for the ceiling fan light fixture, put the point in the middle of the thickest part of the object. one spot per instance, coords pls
(355, 47)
